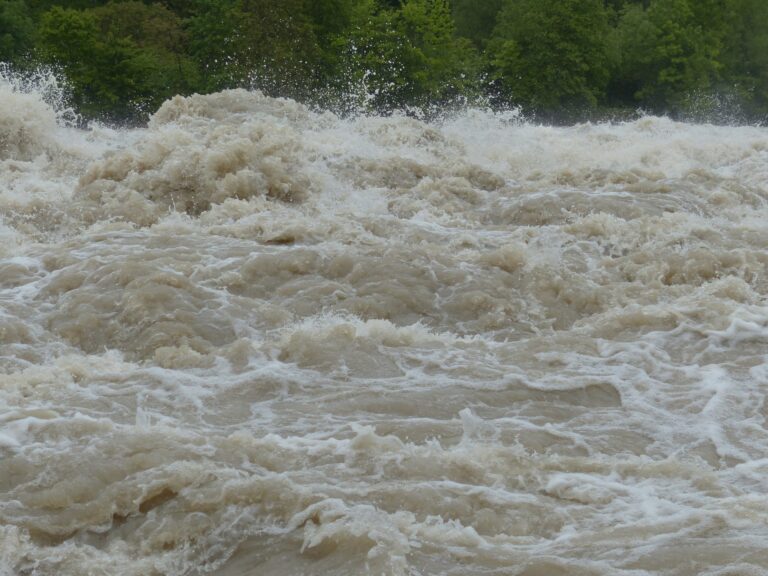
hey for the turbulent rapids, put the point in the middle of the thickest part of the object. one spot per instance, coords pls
(253, 339)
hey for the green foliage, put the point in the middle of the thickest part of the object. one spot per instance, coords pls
(158, 34)
(330, 18)
(271, 45)
(217, 43)
(16, 30)
(551, 55)
(412, 57)
(282, 50)
(447, 63)
(119, 58)
(745, 54)
(666, 54)
(475, 20)
(560, 58)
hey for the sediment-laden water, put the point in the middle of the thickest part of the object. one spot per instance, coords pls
(251, 339)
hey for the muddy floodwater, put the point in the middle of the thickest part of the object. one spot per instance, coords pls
(253, 339)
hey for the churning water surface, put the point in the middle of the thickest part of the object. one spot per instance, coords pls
(252, 339)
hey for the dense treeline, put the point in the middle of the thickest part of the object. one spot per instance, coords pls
(559, 59)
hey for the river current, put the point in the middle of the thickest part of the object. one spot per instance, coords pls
(254, 339)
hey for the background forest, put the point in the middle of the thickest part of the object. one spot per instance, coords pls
(560, 60)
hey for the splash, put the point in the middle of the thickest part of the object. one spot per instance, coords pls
(26, 122)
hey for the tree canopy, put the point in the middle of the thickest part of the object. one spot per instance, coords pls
(551, 55)
(560, 59)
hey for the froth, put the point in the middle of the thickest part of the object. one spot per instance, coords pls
(200, 151)
(251, 338)
(27, 125)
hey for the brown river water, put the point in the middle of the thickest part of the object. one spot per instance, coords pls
(252, 339)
